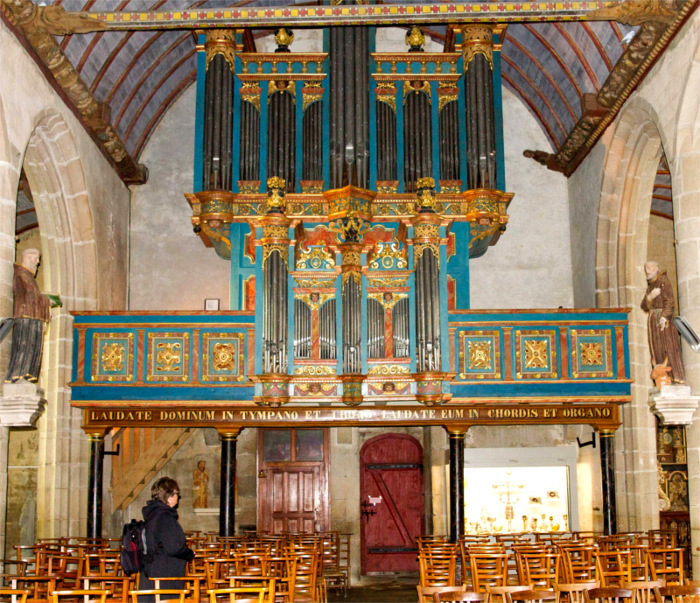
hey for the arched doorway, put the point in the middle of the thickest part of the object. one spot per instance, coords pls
(392, 502)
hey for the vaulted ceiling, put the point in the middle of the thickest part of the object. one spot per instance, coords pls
(553, 58)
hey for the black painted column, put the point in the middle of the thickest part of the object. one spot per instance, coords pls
(456, 435)
(607, 466)
(227, 503)
(97, 451)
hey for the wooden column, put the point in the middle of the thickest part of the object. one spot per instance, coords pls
(227, 502)
(456, 435)
(95, 475)
(607, 466)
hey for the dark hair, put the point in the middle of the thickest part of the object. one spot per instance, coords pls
(163, 489)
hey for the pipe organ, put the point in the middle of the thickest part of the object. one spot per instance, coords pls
(349, 188)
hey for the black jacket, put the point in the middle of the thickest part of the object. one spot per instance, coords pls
(167, 548)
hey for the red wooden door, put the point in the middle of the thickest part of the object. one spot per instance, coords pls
(293, 480)
(392, 504)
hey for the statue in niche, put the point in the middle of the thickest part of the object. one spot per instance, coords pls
(200, 479)
(31, 316)
(664, 340)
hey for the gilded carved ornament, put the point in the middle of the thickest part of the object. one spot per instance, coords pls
(250, 92)
(311, 93)
(638, 12)
(426, 194)
(168, 356)
(389, 370)
(113, 357)
(275, 197)
(313, 370)
(477, 38)
(388, 255)
(223, 42)
(386, 299)
(284, 38)
(313, 282)
(52, 19)
(415, 39)
(281, 86)
(447, 93)
(317, 257)
(314, 300)
(386, 93)
(417, 87)
(387, 281)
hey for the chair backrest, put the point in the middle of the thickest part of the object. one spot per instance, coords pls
(171, 595)
(425, 593)
(665, 564)
(237, 595)
(539, 569)
(573, 592)
(645, 591)
(607, 594)
(681, 593)
(613, 567)
(438, 568)
(13, 595)
(500, 594)
(488, 570)
(88, 596)
(531, 596)
(468, 595)
(578, 563)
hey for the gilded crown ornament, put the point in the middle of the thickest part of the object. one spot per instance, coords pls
(275, 194)
(284, 38)
(415, 39)
(426, 194)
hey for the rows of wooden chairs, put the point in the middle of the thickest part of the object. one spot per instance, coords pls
(482, 565)
(291, 568)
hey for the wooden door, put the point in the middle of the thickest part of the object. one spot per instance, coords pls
(293, 480)
(392, 504)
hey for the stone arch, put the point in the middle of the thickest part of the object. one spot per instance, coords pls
(635, 146)
(69, 259)
(685, 172)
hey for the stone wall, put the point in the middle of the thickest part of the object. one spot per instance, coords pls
(530, 266)
(82, 208)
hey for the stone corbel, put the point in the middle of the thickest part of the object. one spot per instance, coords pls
(22, 403)
(673, 404)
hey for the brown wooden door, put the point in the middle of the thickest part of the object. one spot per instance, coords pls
(293, 480)
(392, 504)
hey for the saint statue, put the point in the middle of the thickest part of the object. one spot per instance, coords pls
(664, 340)
(200, 480)
(31, 315)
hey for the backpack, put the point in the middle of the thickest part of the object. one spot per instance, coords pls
(134, 552)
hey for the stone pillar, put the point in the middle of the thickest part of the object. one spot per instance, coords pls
(96, 473)
(227, 503)
(456, 435)
(607, 466)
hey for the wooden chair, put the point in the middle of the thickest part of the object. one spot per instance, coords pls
(173, 595)
(500, 594)
(488, 570)
(266, 583)
(681, 593)
(578, 563)
(437, 568)
(531, 596)
(426, 593)
(336, 566)
(467, 595)
(192, 586)
(87, 596)
(237, 595)
(13, 595)
(613, 567)
(573, 592)
(645, 591)
(666, 565)
(608, 594)
(39, 587)
(539, 569)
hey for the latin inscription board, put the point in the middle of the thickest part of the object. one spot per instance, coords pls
(601, 415)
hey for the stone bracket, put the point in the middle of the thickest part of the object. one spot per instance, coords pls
(673, 404)
(21, 404)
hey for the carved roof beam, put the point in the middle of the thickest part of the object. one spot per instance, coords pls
(35, 27)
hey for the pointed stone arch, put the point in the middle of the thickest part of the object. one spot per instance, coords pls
(630, 166)
(69, 259)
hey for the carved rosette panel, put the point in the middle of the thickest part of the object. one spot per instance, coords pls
(536, 354)
(591, 354)
(112, 357)
(480, 355)
(167, 357)
(223, 357)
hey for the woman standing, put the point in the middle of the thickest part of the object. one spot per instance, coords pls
(168, 552)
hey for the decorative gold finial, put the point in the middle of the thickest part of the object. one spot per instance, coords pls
(426, 194)
(284, 38)
(275, 195)
(415, 39)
